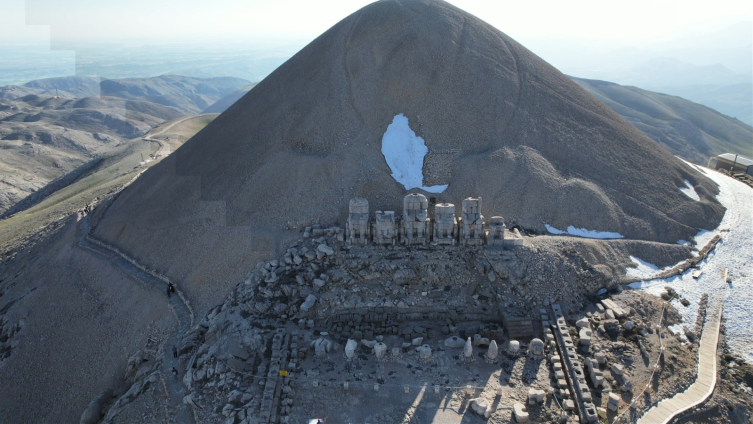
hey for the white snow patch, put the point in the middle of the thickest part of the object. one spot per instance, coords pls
(683, 242)
(404, 152)
(735, 253)
(582, 232)
(704, 237)
(689, 191)
(643, 269)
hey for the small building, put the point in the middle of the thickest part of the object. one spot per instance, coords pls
(732, 162)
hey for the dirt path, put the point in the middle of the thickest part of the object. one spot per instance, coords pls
(177, 303)
(164, 147)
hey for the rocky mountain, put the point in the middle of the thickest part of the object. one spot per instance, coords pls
(190, 95)
(50, 127)
(224, 103)
(498, 122)
(686, 129)
(43, 138)
(87, 320)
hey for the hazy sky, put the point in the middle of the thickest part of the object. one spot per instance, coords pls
(106, 20)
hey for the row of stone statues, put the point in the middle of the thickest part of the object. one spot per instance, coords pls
(415, 226)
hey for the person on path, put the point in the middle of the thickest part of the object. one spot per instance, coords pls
(175, 352)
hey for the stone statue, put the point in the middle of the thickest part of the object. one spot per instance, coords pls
(384, 229)
(357, 227)
(468, 349)
(424, 352)
(493, 352)
(445, 224)
(472, 223)
(415, 222)
(350, 348)
(496, 231)
(536, 348)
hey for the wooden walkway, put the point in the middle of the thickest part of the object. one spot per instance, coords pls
(699, 391)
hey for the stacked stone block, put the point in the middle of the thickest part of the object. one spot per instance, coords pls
(573, 368)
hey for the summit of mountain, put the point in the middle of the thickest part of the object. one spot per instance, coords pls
(497, 121)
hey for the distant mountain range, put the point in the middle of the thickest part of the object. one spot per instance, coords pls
(52, 126)
(689, 130)
(221, 105)
(187, 94)
(710, 64)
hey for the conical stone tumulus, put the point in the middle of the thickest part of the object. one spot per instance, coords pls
(496, 122)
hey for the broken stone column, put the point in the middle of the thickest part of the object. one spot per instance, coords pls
(415, 223)
(445, 224)
(350, 348)
(496, 231)
(380, 349)
(472, 223)
(384, 228)
(614, 401)
(357, 227)
(493, 352)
